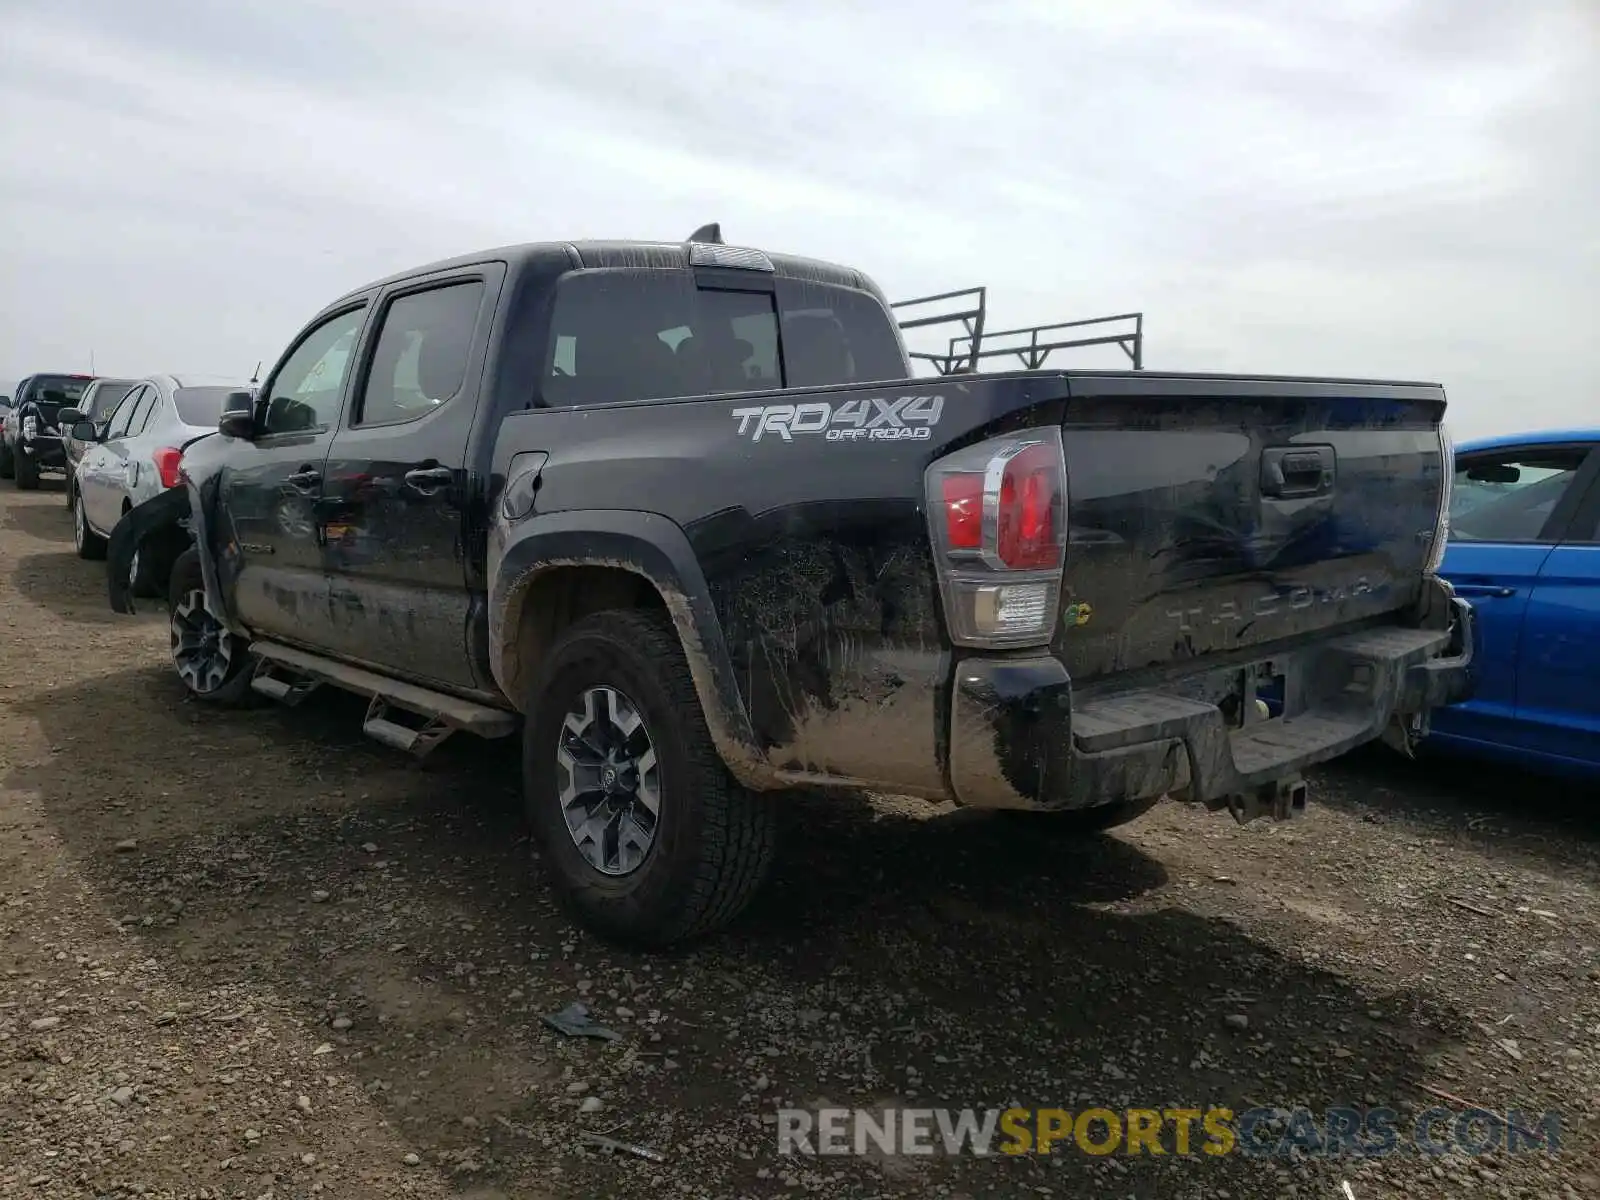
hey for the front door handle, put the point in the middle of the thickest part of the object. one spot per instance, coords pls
(305, 479)
(1483, 589)
(428, 480)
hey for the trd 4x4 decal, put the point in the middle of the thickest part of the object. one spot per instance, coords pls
(904, 418)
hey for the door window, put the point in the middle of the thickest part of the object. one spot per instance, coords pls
(140, 418)
(118, 425)
(105, 398)
(420, 361)
(1586, 526)
(1510, 497)
(304, 392)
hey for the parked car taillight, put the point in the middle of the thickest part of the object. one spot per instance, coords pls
(167, 460)
(998, 515)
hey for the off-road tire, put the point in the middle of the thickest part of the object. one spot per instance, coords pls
(233, 691)
(714, 840)
(27, 474)
(1086, 821)
(7, 463)
(89, 544)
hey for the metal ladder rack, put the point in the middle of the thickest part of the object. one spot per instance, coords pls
(1031, 344)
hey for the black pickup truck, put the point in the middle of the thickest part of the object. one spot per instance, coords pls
(30, 434)
(679, 514)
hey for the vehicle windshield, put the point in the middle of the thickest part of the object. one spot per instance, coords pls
(106, 397)
(201, 405)
(58, 389)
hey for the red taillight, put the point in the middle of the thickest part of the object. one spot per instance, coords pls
(997, 514)
(167, 460)
(963, 510)
(1028, 490)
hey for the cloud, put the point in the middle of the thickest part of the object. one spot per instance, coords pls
(1377, 188)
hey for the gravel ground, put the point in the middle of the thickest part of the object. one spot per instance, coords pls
(251, 954)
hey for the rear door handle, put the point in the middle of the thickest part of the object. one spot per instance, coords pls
(304, 479)
(1484, 589)
(429, 480)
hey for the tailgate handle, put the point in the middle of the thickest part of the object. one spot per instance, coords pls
(1296, 472)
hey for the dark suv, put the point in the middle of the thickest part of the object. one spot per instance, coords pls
(30, 438)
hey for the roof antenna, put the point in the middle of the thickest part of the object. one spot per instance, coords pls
(256, 377)
(708, 233)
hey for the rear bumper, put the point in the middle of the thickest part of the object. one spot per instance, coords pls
(1021, 738)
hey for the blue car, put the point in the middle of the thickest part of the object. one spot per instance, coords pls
(1524, 550)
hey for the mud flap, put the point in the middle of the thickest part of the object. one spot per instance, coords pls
(155, 531)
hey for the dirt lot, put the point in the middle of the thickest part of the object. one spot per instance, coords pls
(251, 954)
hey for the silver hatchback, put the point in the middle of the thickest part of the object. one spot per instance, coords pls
(135, 457)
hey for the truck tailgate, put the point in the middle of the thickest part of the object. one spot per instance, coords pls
(1212, 517)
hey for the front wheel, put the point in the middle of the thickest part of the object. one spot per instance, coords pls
(649, 840)
(8, 465)
(214, 665)
(87, 542)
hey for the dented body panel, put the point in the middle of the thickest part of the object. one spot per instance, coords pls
(1219, 527)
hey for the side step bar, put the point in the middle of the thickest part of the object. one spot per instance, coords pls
(287, 688)
(390, 699)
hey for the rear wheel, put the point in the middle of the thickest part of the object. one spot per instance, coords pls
(214, 665)
(86, 541)
(27, 474)
(649, 840)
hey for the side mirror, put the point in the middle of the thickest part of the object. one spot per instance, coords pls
(237, 422)
(69, 416)
(84, 431)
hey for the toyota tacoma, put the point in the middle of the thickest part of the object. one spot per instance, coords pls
(679, 517)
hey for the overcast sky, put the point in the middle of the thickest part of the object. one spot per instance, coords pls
(1400, 188)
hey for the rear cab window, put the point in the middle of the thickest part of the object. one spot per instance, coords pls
(619, 335)
(58, 390)
(834, 334)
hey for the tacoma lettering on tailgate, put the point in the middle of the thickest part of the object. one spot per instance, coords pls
(1290, 600)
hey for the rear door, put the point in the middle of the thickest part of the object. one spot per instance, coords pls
(131, 462)
(103, 471)
(394, 507)
(1558, 683)
(1509, 508)
(270, 487)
